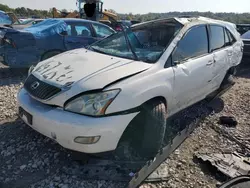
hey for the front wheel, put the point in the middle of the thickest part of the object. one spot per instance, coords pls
(144, 136)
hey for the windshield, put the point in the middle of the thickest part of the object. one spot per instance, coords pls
(5, 19)
(147, 43)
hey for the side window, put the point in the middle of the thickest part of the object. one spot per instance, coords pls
(69, 30)
(231, 37)
(227, 40)
(216, 37)
(193, 44)
(79, 29)
(83, 30)
(102, 31)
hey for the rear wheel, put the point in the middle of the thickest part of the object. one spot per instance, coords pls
(144, 136)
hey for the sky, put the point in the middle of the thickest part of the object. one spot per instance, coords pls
(141, 6)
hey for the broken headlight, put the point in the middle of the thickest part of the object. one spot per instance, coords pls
(94, 104)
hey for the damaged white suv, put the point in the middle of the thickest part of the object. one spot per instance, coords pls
(123, 88)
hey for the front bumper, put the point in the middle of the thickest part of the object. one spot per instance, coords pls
(64, 126)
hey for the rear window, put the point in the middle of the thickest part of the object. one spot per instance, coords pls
(217, 37)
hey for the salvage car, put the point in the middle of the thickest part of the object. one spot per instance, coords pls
(26, 23)
(23, 48)
(118, 93)
(246, 39)
(8, 18)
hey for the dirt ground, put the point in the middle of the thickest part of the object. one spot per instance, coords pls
(28, 159)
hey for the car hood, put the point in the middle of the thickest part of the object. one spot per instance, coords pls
(82, 65)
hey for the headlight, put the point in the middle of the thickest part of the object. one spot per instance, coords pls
(92, 104)
(31, 69)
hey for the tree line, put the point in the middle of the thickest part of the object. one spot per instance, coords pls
(231, 17)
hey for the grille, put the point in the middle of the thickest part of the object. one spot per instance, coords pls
(39, 89)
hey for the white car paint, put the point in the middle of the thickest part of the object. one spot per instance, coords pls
(181, 86)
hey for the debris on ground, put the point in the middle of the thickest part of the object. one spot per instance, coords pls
(230, 164)
(228, 121)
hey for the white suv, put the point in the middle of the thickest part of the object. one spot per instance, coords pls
(122, 88)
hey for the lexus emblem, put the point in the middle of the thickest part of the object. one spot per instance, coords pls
(34, 85)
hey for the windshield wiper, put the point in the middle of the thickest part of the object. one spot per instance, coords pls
(95, 50)
(126, 37)
(128, 43)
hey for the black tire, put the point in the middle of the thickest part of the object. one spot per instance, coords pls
(145, 135)
(229, 79)
(50, 54)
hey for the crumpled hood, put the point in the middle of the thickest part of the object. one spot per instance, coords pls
(82, 65)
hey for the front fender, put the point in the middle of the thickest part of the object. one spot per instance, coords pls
(140, 90)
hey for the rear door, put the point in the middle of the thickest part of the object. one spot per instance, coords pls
(220, 52)
(192, 67)
(80, 34)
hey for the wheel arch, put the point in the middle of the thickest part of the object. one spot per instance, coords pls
(156, 98)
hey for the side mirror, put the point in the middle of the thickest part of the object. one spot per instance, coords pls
(176, 62)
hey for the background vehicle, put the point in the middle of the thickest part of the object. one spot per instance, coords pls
(242, 28)
(128, 23)
(105, 16)
(8, 18)
(246, 39)
(121, 90)
(26, 23)
(48, 38)
(59, 14)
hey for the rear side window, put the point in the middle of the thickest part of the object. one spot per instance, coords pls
(216, 38)
(231, 37)
(193, 44)
(227, 39)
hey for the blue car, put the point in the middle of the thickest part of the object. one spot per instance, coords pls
(23, 48)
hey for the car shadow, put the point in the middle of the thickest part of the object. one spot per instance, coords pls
(12, 76)
(192, 115)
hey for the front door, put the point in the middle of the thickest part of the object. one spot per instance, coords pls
(192, 67)
(79, 35)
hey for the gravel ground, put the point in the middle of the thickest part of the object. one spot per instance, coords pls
(28, 159)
